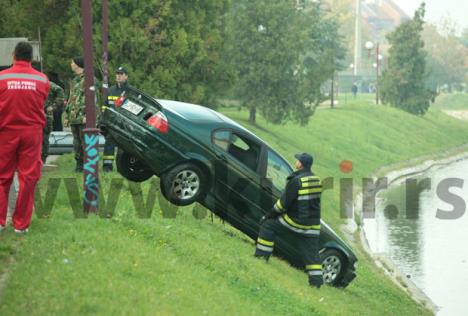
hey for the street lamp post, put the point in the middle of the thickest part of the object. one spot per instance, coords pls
(377, 62)
(378, 57)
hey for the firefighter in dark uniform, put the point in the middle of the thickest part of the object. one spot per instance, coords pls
(297, 212)
(116, 91)
(54, 103)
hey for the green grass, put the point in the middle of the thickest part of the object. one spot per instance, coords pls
(177, 264)
(452, 101)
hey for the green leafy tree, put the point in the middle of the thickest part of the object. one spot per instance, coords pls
(172, 48)
(403, 81)
(464, 38)
(283, 54)
(445, 58)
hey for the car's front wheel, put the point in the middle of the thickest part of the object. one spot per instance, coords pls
(132, 168)
(333, 267)
(184, 184)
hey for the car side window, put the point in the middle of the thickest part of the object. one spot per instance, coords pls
(240, 147)
(277, 170)
(245, 150)
(222, 139)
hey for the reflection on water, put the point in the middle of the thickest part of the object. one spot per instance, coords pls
(431, 251)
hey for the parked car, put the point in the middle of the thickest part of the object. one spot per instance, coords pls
(62, 142)
(202, 155)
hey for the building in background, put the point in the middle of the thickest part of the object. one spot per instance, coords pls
(7, 46)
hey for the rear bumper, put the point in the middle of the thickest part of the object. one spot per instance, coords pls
(133, 136)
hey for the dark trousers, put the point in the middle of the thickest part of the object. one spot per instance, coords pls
(57, 125)
(78, 143)
(45, 146)
(45, 138)
(109, 152)
(307, 246)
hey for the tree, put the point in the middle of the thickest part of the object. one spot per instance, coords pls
(403, 82)
(173, 49)
(445, 58)
(282, 54)
(464, 38)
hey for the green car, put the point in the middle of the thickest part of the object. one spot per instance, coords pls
(201, 155)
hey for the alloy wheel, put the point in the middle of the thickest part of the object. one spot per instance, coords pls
(186, 184)
(331, 268)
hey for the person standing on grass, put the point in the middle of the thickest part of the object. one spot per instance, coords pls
(75, 111)
(53, 104)
(116, 91)
(23, 92)
(354, 89)
(297, 215)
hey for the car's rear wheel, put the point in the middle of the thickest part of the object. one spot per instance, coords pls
(184, 184)
(132, 168)
(333, 266)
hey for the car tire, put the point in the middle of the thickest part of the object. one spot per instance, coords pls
(183, 184)
(131, 167)
(333, 267)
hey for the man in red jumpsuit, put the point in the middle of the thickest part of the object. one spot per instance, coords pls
(23, 92)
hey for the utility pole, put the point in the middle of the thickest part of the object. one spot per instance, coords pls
(40, 48)
(377, 73)
(91, 133)
(105, 54)
(357, 38)
(333, 90)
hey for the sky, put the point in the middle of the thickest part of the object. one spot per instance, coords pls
(456, 10)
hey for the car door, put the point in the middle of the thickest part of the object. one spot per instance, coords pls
(275, 171)
(237, 179)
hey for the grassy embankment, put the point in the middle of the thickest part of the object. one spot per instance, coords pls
(452, 101)
(189, 266)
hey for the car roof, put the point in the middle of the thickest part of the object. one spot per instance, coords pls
(198, 113)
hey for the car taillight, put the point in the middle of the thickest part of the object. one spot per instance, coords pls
(119, 101)
(159, 122)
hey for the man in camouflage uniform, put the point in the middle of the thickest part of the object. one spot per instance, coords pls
(76, 110)
(54, 103)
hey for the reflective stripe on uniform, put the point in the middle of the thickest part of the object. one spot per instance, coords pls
(310, 178)
(104, 107)
(308, 197)
(265, 242)
(23, 76)
(311, 185)
(108, 157)
(112, 97)
(310, 232)
(264, 248)
(278, 207)
(314, 267)
(315, 272)
(292, 223)
(309, 191)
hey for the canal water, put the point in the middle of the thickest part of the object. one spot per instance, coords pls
(431, 251)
